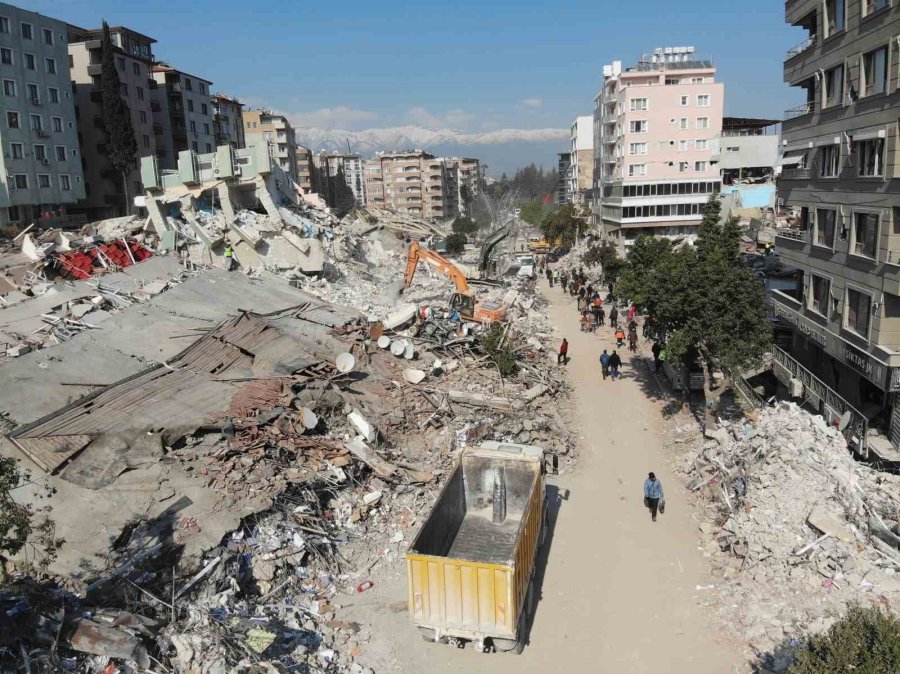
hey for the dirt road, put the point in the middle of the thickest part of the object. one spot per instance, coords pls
(618, 593)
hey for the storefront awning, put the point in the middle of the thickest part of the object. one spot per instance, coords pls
(792, 159)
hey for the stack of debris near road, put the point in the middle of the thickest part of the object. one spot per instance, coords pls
(232, 455)
(795, 528)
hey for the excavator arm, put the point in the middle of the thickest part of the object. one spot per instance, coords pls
(417, 253)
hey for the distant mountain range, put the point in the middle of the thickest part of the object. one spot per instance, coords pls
(503, 150)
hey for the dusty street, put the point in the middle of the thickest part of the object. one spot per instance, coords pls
(618, 593)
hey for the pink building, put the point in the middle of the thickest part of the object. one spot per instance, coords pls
(655, 129)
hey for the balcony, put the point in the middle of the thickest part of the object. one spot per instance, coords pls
(799, 111)
(94, 69)
(174, 88)
(797, 174)
(154, 106)
(793, 234)
(796, 50)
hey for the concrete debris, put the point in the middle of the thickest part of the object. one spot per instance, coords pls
(794, 526)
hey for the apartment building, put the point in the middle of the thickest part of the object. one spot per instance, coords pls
(273, 129)
(330, 164)
(580, 176)
(104, 189)
(182, 109)
(228, 120)
(415, 182)
(306, 171)
(463, 176)
(654, 124)
(839, 179)
(748, 149)
(374, 178)
(564, 170)
(41, 165)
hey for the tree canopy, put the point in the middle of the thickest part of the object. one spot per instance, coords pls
(121, 144)
(701, 297)
(531, 183)
(563, 225)
(456, 243)
(464, 225)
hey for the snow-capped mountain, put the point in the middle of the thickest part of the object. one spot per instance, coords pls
(502, 150)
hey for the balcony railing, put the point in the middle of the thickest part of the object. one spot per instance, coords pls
(893, 257)
(800, 48)
(805, 109)
(797, 174)
(795, 234)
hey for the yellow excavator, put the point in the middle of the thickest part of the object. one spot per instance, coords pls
(463, 300)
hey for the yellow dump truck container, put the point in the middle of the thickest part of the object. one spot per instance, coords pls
(470, 567)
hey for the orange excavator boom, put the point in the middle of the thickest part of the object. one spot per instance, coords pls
(417, 253)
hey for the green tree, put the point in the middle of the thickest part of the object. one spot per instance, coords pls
(456, 243)
(864, 641)
(464, 225)
(534, 212)
(342, 198)
(637, 277)
(563, 225)
(121, 144)
(466, 195)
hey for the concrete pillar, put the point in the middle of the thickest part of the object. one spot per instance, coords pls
(225, 201)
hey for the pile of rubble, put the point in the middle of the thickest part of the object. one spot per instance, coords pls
(796, 529)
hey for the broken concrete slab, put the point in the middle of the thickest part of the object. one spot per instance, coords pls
(480, 400)
(362, 425)
(400, 317)
(827, 523)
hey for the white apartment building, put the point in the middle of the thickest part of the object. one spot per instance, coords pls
(41, 163)
(655, 126)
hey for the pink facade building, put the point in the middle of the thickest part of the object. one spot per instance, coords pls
(656, 128)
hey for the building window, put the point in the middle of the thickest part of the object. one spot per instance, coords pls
(120, 63)
(20, 180)
(48, 36)
(140, 93)
(637, 169)
(32, 93)
(699, 165)
(703, 101)
(43, 180)
(829, 161)
(190, 105)
(683, 166)
(40, 152)
(204, 109)
(16, 149)
(875, 72)
(834, 86)
(865, 234)
(53, 92)
(637, 148)
(205, 128)
(51, 66)
(187, 84)
(194, 146)
(673, 80)
(12, 120)
(143, 117)
(4, 24)
(123, 90)
(638, 126)
(136, 68)
(6, 56)
(701, 144)
(146, 140)
(871, 157)
(683, 123)
(825, 219)
(684, 145)
(9, 88)
(696, 80)
(57, 124)
(60, 153)
(37, 122)
(684, 101)
(835, 16)
(819, 294)
(872, 6)
(209, 147)
(64, 183)
(27, 31)
(858, 312)
(193, 127)
(702, 122)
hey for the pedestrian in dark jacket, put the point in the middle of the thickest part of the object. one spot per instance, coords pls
(604, 363)
(563, 356)
(613, 318)
(615, 362)
(656, 349)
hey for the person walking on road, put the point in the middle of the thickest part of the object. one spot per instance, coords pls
(229, 257)
(662, 358)
(563, 356)
(549, 273)
(656, 349)
(653, 494)
(632, 339)
(613, 318)
(615, 362)
(604, 364)
(601, 314)
(564, 282)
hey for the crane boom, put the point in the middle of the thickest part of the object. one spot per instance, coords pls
(417, 253)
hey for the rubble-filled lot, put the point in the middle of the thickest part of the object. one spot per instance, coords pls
(232, 453)
(794, 527)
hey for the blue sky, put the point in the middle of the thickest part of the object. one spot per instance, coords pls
(467, 65)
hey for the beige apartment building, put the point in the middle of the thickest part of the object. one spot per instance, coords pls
(104, 191)
(655, 125)
(410, 182)
(228, 120)
(41, 174)
(273, 129)
(182, 109)
(463, 176)
(306, 171)
(841, 328)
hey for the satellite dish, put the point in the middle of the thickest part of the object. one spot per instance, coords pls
(345, 362)
(413, 376)
(398, 347)
(410, 351)
(845, 420)
(384, 342)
